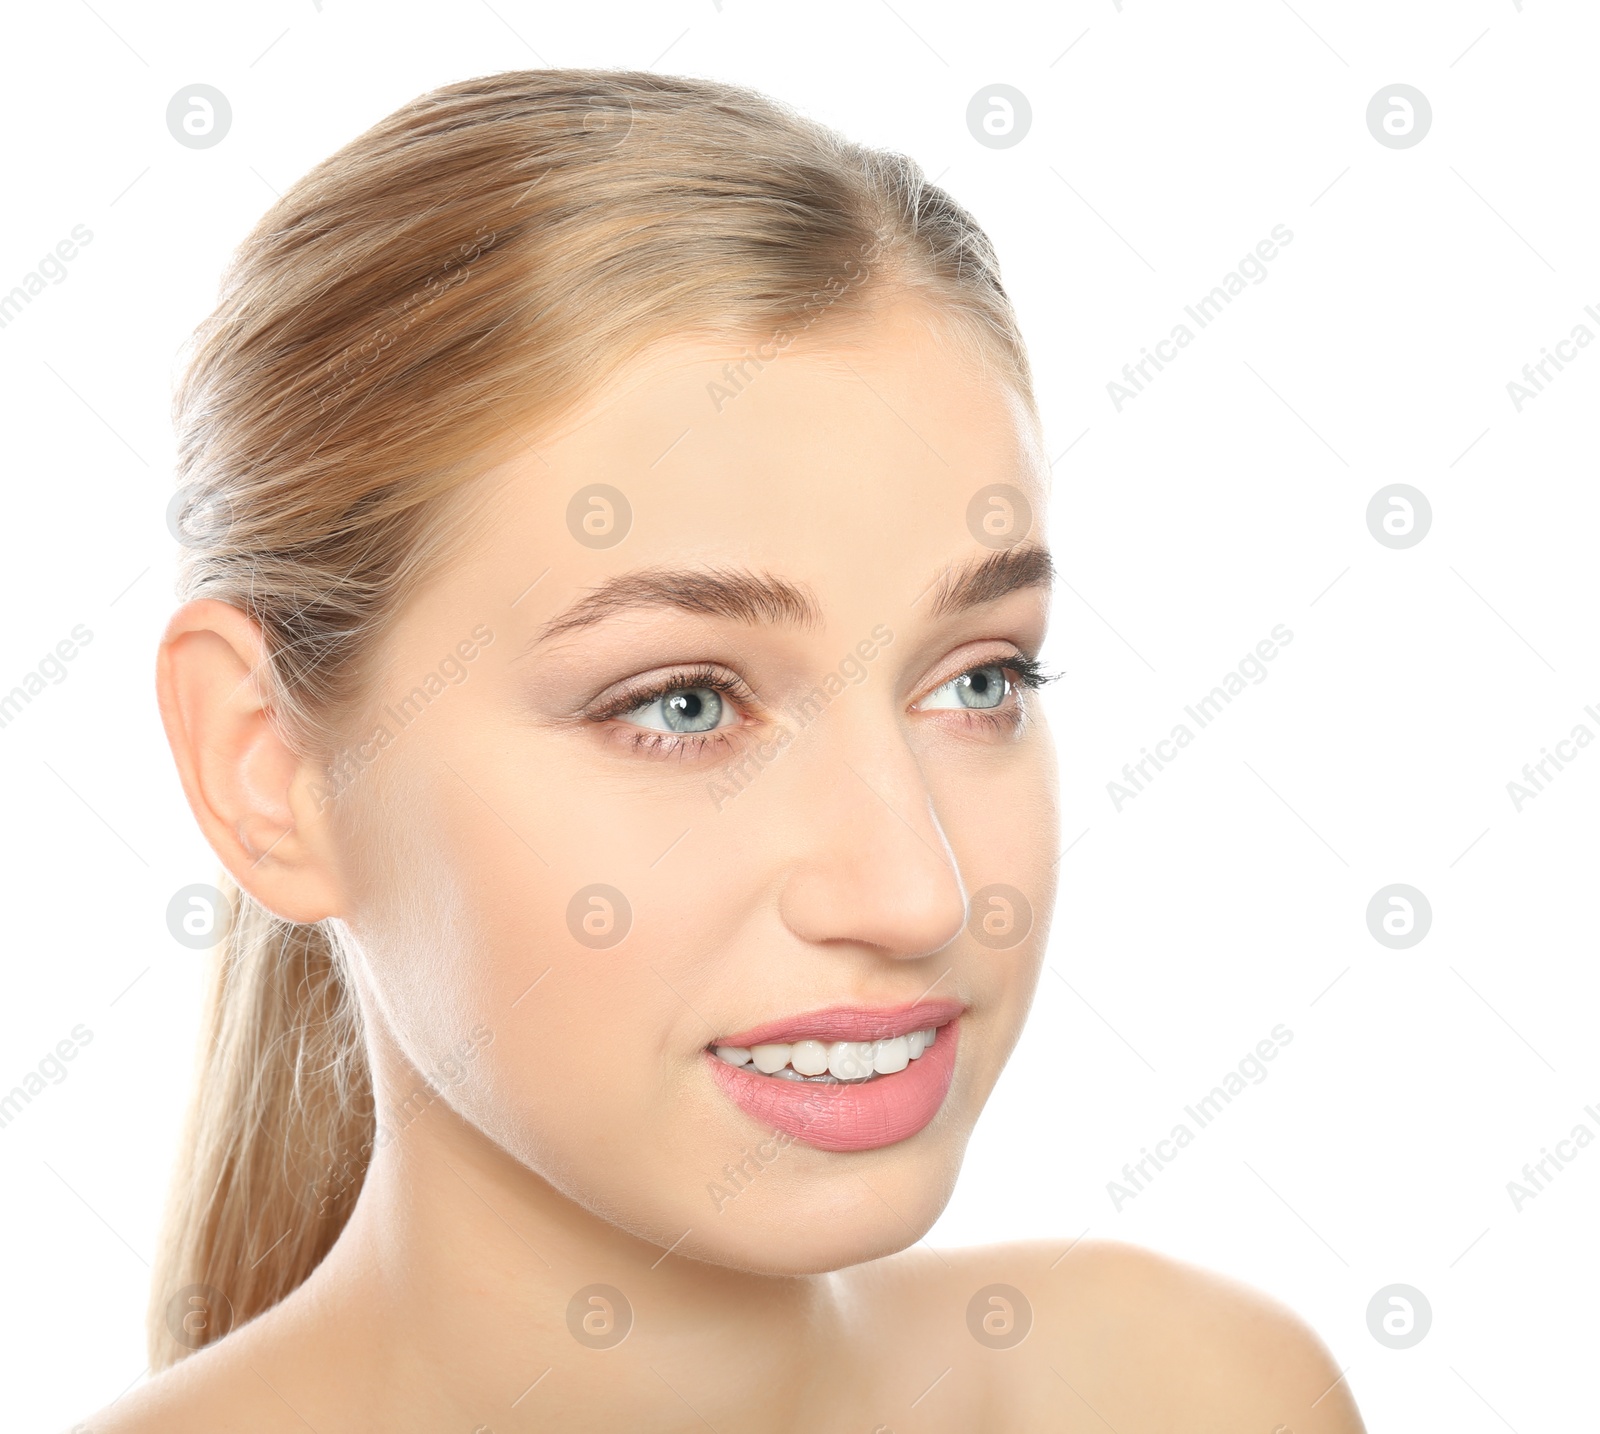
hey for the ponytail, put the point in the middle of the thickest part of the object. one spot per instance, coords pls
(278, 1135)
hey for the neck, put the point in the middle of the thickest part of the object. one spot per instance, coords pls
(467, 1286)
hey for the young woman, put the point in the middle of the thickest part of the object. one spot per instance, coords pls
(614, 578)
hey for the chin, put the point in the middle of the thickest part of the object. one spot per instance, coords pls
(810, 1211)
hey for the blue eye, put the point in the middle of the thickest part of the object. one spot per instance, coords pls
(680, 709)
(981, 687)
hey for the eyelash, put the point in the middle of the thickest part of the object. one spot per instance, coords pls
(1026, 672)
(667, 744)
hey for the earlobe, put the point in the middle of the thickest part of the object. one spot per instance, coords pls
(238, 772)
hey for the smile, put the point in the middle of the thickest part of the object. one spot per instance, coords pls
(829, 1062)
(844, 1079)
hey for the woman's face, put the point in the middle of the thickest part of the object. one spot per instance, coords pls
(719, 737)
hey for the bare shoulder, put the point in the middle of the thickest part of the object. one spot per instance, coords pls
(189, 1398)
(1083, 1334)
(1204, 1346)
(224, 1388)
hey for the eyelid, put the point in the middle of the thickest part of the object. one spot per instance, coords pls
(1022, 670)
(640, 692)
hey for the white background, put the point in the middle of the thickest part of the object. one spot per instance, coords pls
(1230, 496)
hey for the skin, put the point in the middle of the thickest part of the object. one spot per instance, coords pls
(576, 1142)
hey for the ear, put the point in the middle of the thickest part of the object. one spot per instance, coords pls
(251, 794)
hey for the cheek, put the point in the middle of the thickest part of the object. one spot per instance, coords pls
(1000, 816)
(567, 914)
(999, 812)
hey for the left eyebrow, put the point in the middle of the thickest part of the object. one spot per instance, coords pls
(1025, 566)
(733, 593)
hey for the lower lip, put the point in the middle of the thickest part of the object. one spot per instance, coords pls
(846, 1116)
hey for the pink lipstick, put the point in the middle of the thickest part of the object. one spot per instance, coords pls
(846, 1077)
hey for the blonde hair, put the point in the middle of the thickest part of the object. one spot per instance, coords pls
(470, 266)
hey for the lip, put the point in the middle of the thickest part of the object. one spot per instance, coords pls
(847, 1116)
(849, 1023)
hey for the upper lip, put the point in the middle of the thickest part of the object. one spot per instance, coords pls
(848, 1023)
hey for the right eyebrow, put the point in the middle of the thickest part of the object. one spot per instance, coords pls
(1025, 566)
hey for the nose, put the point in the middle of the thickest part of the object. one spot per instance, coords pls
(871, 864)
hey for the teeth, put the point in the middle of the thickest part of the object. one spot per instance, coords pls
(891, 1056)
(850, 1060)
(769, 1059)
(810, 1058)
(830, 1061)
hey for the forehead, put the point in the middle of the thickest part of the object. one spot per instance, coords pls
(877, 445)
